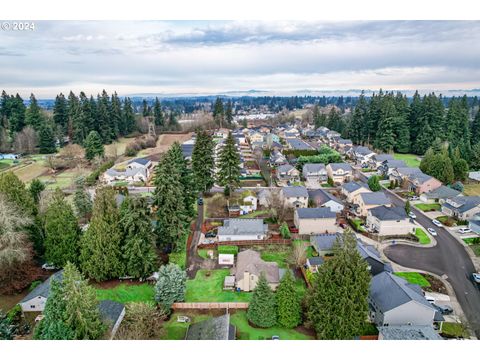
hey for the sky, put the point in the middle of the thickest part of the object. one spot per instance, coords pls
(215, 57)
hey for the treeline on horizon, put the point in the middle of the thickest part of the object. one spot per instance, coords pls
(24, 127)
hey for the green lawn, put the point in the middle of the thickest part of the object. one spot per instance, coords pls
(414, 278)
(357, 223)
(428, 207)
(254, 214)
(472, 240)
(422, 236)
(124, 293)
(5, 164)
(203, 253)
(173, 330)
(476, 249)
(179, 258)
(454, 330)
(472, 189)
(246, 332)
(209, 288)
(278, 254)
(410, 159)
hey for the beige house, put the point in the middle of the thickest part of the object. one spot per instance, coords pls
(310, 221)
(352, 189)
(340, 172)
(295, 196)
(248, 269)
(389, 221)
(369, 200)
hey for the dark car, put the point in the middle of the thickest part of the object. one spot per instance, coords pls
(293, 229)
(444, 309)
(200, 201)
(210, 234)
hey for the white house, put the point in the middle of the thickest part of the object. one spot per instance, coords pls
(389, 221)
(36, 299)
(242, 230)
(340, 172)
(295, 196)
(249, 205)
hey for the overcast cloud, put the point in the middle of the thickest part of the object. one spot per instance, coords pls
(214, 57)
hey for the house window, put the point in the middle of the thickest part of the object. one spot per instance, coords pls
(32, 306)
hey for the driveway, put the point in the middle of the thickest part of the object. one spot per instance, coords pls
(447, 259)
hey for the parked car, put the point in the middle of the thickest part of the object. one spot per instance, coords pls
(464, 230)
(200, 201)
(443, 309)
(412, 215)
(275, 337)
(476, 278)
(293, 229)
(183, 319)
(432, 231)
(430, 299)
(413, 198)
(436, 222)
(48, 266)
(210, 234)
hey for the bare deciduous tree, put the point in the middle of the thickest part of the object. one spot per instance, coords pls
(26, 141)
(142, 322)
(299, 254)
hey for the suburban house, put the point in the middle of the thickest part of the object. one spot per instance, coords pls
(377, 159)
(256, 137)
(462, 207)
(141, 163)
(323, 243)
(340, 172)
(474, 223)
(297, 144)
(387, 221)
(36, 299)
(361, 154)
(248, 268)
(129, 175)
(291, 133)
(315, 221)
(248, 205)
(371, 255)
(387, 166)
(323, 198)
(416, 180)
(315, 174)
(342, 143)
(295, 196)
(352, 189)
(394, 301)
(277, 158)
(216, 328)
(242, 230)
(408, 332)
(369, 200)
(439, 195)
(112, 314)
(287, 174)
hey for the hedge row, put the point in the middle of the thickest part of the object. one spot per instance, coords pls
(228, 249)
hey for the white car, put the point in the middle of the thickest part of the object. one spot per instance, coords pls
(413, 198)
(47, 266)
(464, 230)
(432, 231)
(412, 215)
(438, 223)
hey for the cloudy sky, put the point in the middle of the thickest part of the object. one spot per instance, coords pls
(185, 57)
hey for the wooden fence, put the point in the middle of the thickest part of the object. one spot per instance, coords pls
(210, 305)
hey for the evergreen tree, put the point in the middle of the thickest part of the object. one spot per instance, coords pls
(475, 158)
(218, 112)
(203, 162)
(229, 113)
(138, 248)
(171, 286)
(288, 303)
(15, 191)
(93, 145)
(460, 166)
(34, 116)
(186, 178)
(82, 200)
(262, 309)
(116, 119)
(128, 116)
(36, 187)
(374, 183)
(158, 114)
(475, 129)
(62, 234)
(46, 140)
(385, 138)
(337, 303)
(74, 128)
(359, 120)
(101, 255)
(105, 129)
(60, 112)
(229, 164)
(173, 124)
(146, 109)
(169, 201)
(408, 207)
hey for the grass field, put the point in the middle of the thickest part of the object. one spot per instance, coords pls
(254, 214)
(31, 171)
(422, 236)
(208, 287)
(124, 293)
(410, 159)
(173, 330)
(454, 330)
(246, 332)
(278, 254)
(179, 258)
(428, 207)
(118, 147)
(5, 164)
(472, 189)
(64, 179)
(414, 278)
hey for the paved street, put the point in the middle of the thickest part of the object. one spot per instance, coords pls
(448, 258)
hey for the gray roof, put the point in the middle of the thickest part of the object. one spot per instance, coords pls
(295, 191)
(141, 161)
(284, 168)
(250, 261)
(315, 213)
(362, 150)
(389, 291)
(313, 168)
(298, 144)
(395, 163)
(110, 311)
(389, 213)
(443, 192)
(407, 171)
(408, 332)
(368, 251)
(127, 172)
(43, 289)
(375, 198)
(321, 196)
(352, 186)
(316, 260)
(323, 242)
(420, 177)
(338, 166)
(243, 227)
(216, 328)
(344, 141)
(383, 157)
(465, 203)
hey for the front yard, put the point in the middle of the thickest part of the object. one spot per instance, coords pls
(454, 330)
(414, 278)
(422, 236)
(428, 207)
(208, 287)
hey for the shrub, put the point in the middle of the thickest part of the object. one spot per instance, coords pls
(228, 249)
(171, 286)
(285, 231)
(91, 179)
(141, 322)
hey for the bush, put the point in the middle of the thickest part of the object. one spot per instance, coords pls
(285, 231)
(141, 322)
(34, 284)
(228, 249)
(91, 179)
(171, 286)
